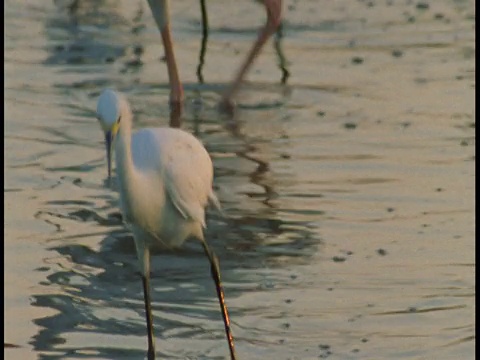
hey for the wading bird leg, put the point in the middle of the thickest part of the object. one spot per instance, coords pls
(143, 255)
(148, 316)
(274, 15)
(214, 268)
(176, 91)
(161, 15)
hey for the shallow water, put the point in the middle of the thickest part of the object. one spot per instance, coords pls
(349, 197)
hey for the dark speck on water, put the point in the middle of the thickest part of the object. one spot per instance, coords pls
(397, 53)
(382, 252)
(357, 60)
(422, 5)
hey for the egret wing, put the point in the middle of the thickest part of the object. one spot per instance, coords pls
(187, 192)
(188, 178)
(185, 167)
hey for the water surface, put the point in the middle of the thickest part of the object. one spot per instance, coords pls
(349, 195)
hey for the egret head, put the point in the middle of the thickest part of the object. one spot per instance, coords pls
(111, 107)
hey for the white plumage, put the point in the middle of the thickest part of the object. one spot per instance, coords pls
(165, 180)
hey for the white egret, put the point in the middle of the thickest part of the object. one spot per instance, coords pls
(161, 14)
(165, 179)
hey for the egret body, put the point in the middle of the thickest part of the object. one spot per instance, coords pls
(165, 178)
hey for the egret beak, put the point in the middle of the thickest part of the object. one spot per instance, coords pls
(108, 144)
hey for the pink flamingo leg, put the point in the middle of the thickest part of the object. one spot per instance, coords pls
(274, 15)
(161, 15)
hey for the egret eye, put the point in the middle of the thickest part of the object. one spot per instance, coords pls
(118, 120)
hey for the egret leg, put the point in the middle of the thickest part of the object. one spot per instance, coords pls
(214, 268)
(143, 255)
(148, 316)
(274, 13)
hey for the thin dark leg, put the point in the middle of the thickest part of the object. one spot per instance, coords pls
(282, 62)
(148, 316)
(203, 49)
(221, 297)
